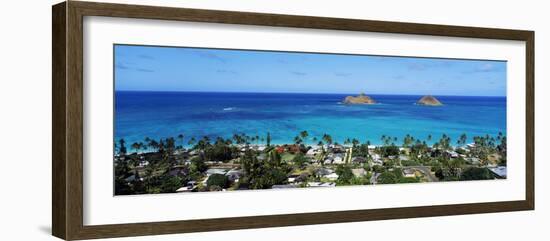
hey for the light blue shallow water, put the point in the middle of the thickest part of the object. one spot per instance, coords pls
(164, 114)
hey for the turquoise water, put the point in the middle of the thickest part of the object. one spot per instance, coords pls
(193, 114)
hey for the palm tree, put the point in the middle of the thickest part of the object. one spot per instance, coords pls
(180, 137)
(143, 146)
(354, 142)
(297, 140)
(386, 139)
(304, 135)
(327, 138)
(154, 145)
(136, 146)
(122, 147)
(347, 141)
(462, 139)
(408, 140)
(192, 141)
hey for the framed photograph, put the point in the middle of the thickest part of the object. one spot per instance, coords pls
(171, 120)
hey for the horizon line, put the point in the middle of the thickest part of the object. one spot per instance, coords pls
(260, 92)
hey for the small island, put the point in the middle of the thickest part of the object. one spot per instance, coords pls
(429, 100)
(360, 99)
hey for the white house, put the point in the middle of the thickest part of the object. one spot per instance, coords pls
(359, 172)
(234, 174)
(332, 176)
(321, 184)
(473, 160)
(499, 171)
(215, 171)
(338, 159)
(324, 171)
(143, 163)
(312, 152)
(328, 160)
(409, 172)
(377, 160)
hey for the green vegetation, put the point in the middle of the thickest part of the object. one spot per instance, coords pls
(476, 173)
(387, 151)
(241, 162)
(263, 174)
(344, 174)
(218, 180)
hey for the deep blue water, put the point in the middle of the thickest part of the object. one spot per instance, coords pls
(163, 114)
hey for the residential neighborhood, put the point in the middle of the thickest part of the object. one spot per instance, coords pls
(166, 166)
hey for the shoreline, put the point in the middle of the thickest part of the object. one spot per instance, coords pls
(374, 144)
(257, 146)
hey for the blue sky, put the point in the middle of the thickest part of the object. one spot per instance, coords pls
(148, 68)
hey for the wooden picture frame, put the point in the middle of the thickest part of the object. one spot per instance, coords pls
(67, 124)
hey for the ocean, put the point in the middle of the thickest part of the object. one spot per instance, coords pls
(197, 114)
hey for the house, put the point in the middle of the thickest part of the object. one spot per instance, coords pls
(302, 177)
(359, 172)
(215, 171)
(473, 160)
(321, 184)
(403, 158)
(132, 178)
(374, 178)
(294, 148)
(324, 171)
(328, 160)
(178, 172)
(499, 172)
(359, 159)
(338, 149)
(292, 178)
(143, 163)
(262, 157)
(312, 152)
(377, 162)
(234, 175)
(185, 189)
(492, 165)
(451, 154)
(409, 172)
(338, 159)
(376, 158)
(332, 176)
(191, 185)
